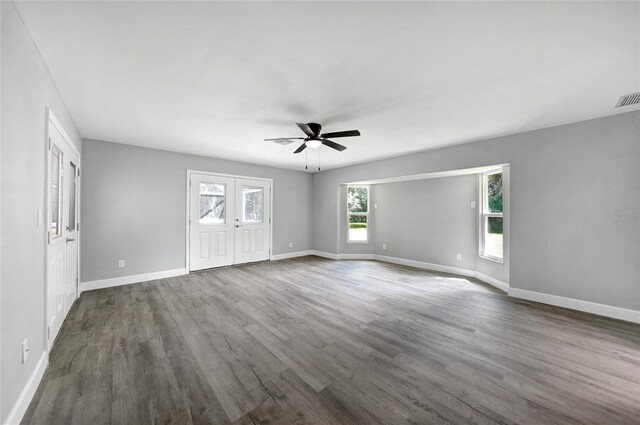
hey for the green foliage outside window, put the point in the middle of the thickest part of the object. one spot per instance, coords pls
(494, 225)
(494, 195)
(357, 199)
(357, 225)
(494, 192)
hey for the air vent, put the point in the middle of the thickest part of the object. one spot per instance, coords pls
(628, 100)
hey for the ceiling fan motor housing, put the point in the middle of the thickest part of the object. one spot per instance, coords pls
(315, 128)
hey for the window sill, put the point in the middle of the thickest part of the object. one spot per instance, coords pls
(360, 242)
(494, 259)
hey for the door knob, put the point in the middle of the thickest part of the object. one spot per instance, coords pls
(70, 240)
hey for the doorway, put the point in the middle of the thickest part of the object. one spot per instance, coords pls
(228, 220)
(63, 221)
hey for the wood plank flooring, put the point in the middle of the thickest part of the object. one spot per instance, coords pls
(314, 341)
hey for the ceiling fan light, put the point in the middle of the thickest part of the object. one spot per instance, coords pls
(313, 143)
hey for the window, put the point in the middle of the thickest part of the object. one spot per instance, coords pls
(358, 213)
(252, 204)
(212, 202)
(491, 245)
(55, 190)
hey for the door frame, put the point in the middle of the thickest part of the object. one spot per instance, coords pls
(52, 120)
(188, 209)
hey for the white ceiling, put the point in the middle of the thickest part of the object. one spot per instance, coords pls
(216, 78)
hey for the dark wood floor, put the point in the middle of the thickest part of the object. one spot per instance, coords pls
(314, 341)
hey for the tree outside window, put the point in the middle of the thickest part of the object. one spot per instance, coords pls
(358, 213)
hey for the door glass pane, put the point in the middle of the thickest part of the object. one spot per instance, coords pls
(212, 203)
(55, 190)
(493, 240)
(358, 227)
(252, 204)
(72, 198)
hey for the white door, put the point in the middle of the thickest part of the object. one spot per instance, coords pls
(62, 222)
(211, 221)
(252, 220)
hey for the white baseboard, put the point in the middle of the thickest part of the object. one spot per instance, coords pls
(325, 255)
(570, 303)
(503, 286)
(426, 266)
(126, 280)
(27, 393)
(286, 255)
(355, 256)
(580, 305)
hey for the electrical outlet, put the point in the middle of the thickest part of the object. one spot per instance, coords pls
(375, 206)
(120, 263)
(38, 217)
(290, 244)
(473, 204)
(459, 257)
(25, 350)
(384, 246)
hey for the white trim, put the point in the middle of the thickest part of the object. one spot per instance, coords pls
(26, 395)
(426, 176)
(355, 256)
(51, 117)
(575, 304)
(323, 254)
(494, 259)
(503, 286)
(427, 266)
(286, 255)
(126, 280)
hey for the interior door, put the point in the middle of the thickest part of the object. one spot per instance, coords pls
(253, 237)
(62, 219)
(211, 221)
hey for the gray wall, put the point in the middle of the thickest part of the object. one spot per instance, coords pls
(428, 220)
(563, 182)
(27, 90)
(133, 207)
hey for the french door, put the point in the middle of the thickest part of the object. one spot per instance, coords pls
(62, 226)
(229, 220)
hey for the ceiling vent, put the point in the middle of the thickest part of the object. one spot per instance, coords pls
(628, 100)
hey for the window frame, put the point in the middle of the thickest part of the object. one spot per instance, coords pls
(60, 201)
(365, 214)
(485, 214)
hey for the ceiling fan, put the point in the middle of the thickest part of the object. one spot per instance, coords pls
(314, 139)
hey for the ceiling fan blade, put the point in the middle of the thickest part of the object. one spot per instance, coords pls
(349, 133)
(305, 129)
(301, 148)
(333, 145)
(283, 142)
